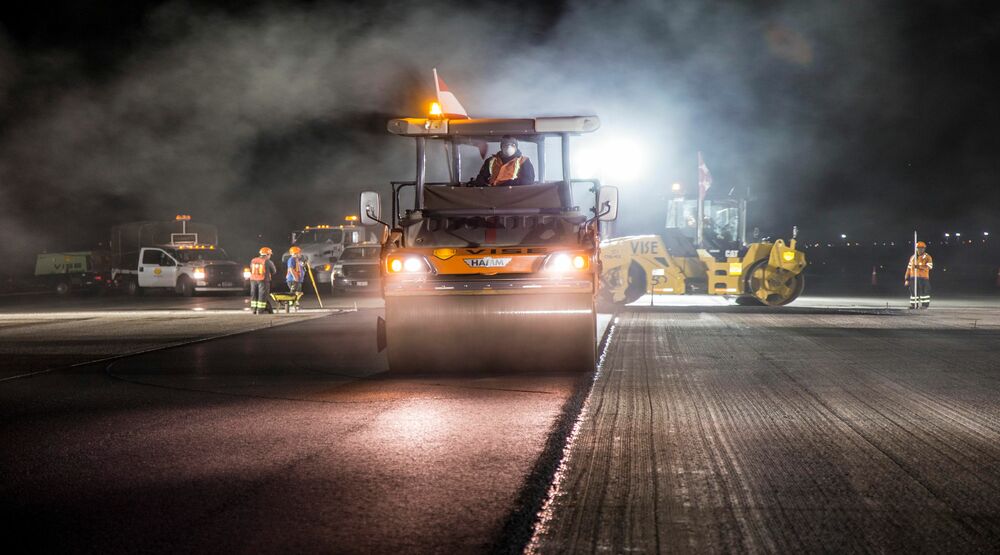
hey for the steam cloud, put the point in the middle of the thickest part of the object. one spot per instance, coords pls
(274, 118)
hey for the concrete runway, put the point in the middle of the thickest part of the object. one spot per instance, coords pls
(829, 425)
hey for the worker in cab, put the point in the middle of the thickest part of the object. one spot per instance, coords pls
(261, 270)
(507, 167)
(296, 271)
(918, 277)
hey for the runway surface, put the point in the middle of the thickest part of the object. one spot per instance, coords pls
(814, 429)
(834, 424)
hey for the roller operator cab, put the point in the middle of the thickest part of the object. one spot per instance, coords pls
(490, 278)
(715, 259)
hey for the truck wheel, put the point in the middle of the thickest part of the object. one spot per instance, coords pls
(132, 288)
(185, 287)
(62, 289)
(636, 283)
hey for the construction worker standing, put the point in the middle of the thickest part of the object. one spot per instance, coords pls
(261, 270)
(919, 269)
(507, 167)
(296, 271)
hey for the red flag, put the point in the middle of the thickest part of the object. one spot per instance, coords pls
(450, 105)
(704, 177)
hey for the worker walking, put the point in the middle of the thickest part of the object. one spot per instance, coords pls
(296, 272)
(919, 269)
(507, 167)
(261, 270)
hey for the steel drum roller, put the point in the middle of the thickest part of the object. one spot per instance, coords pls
(499, 333)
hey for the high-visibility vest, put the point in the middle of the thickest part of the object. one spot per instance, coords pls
(258, 269)
(924, 265)
(500, 172)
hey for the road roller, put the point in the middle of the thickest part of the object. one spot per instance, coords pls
(702, 255)
(490, 278)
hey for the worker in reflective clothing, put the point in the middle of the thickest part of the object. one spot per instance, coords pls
(261, 270)
(919, 269)
(507, 167)
(296, 272)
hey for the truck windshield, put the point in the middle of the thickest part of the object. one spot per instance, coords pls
(320, 236)
(194, 255)
(360, 253)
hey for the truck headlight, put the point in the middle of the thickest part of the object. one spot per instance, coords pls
(198, 273)
(246, 273)
(567, 262)
(407, 265)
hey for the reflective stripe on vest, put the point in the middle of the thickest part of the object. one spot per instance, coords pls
(500, 173)
(258, 269)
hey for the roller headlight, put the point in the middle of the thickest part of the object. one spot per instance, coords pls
(198, 273)
(567, 262)
(788, 256)
(407, 265)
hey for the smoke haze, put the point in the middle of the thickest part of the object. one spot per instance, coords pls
(269, 118)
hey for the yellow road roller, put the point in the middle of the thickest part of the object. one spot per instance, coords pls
(490, 278)
(702, 249)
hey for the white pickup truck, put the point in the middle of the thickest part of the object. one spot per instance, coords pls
(178, 255)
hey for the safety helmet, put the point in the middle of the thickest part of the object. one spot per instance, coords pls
(265, 250)
(921, 245)
(295, 249)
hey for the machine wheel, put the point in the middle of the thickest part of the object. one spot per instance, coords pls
(636, 283)
(773, 286)
(501, 333)
(132, 288)
(748, 301)
(62, 289)
(185, 287)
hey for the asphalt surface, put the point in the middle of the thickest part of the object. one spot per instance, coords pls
(833, 426)
(285, 439)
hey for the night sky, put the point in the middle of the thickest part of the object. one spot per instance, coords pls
(865, 118)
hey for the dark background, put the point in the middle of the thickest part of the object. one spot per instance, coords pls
(870, 119)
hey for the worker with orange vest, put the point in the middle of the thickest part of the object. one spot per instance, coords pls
(261, 270)
(919, 269)
(507, 167)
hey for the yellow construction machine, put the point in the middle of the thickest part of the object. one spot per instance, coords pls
(703, 249)
(490, 278)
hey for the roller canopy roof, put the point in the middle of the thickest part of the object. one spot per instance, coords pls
(486, 128)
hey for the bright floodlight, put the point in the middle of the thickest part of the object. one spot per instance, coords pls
(843, 236)
(615, 161)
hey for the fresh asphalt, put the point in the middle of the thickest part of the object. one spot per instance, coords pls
(846, 425)
(287, 439)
